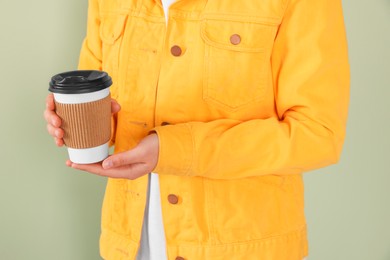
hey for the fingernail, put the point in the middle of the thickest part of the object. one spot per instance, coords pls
(107, 164)
(57, 133)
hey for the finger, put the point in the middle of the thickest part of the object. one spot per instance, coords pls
(52, 118)
(59, 142)
(97, 169)
(50, 102)
(68, 163)
(55, 131)
(122, 159)
(94, 168)
(132, 171)
(115, 107)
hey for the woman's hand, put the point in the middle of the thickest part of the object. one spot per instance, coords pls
(126, 165)
(54, 121)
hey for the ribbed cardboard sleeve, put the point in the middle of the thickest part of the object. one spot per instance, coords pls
(86, 125)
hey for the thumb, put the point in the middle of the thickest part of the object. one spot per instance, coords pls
(121, 159)
(115, 107)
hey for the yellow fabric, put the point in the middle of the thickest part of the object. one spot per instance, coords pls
(245, 120)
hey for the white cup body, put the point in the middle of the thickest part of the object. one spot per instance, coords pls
(88, 155)
(81, 98)
(92, 154)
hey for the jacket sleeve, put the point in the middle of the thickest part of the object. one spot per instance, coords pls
(311, 85)
(91, 50)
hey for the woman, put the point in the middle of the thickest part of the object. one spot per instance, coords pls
(228, 103)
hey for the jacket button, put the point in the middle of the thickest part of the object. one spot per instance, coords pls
(235, 39)
(176, 50)
(164, 123)
(179, 258)
(173, 199)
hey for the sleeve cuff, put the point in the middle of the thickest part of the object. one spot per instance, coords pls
(176, 149)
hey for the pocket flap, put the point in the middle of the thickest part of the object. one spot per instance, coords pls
(112, 27)
(238, 35)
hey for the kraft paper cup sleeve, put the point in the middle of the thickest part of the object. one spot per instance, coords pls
(85, 125)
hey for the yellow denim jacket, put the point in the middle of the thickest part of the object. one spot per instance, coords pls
(244, 95)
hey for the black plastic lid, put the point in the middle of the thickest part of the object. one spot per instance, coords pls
(79, 82)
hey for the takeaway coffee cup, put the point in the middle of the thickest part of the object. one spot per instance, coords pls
(82, 101)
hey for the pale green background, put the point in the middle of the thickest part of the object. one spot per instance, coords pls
(48, 211)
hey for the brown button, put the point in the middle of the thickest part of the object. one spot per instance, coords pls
(176, 50)
(179, 258)
(235, 39)
(173, 199)
(164, 123)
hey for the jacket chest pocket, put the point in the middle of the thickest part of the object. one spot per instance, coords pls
(111, 33)
(237, 67)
